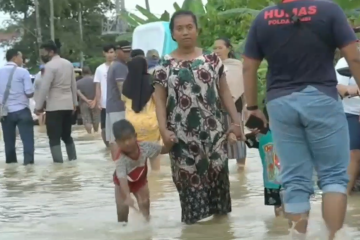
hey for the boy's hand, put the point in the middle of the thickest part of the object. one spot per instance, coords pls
(129, 201)
(168, 137)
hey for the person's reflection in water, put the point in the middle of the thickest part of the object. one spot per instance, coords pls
(276, 227)
(239, 190)
(63, 178)
(13, 181)
(216, 228)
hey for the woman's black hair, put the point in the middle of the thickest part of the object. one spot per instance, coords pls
(181, 13)
(228, 44)
(121, 128)
(137, 85)
(137, 52)
(51, 45)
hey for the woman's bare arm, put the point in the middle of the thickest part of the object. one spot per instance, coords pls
(227, 100)
(160, 97)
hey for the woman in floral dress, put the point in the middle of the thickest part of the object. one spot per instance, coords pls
(190, 89)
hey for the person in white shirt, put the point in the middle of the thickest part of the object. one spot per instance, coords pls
(100, 78)
(349, 90)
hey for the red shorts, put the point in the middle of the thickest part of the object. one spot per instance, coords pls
(133, 186)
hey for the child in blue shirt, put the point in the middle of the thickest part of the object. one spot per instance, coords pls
(271, 167)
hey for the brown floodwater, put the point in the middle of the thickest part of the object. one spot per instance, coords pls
(75, 200)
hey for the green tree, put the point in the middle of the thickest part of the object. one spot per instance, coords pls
(134, 20)
(66, 26)
(232, 19)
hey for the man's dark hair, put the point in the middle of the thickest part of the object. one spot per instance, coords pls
(123, 127)
(11, 53)
(86, 70)
(137, 52)
(108, 47)
(50, 46)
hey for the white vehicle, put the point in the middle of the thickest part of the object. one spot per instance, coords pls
(155, 35)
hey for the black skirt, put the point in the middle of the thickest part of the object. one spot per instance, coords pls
(272, 197)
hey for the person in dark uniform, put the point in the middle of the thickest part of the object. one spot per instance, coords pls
(298, 39)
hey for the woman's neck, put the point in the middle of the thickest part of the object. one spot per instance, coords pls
(224, 58)
(187, 50)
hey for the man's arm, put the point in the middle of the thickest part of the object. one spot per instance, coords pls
(253, 56)
(74, 88)
(227, 99)
(346, 40)
(120, 73)
(97, 81)
(28, 86)
(82, 96)
(343, 82)
(46, 80)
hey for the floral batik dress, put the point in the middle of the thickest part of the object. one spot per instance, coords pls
(199, 159)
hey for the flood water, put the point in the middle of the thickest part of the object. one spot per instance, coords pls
(75, 200)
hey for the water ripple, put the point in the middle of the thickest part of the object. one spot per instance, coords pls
(75, 200)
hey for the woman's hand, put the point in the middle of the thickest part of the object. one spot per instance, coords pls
(353, 90)
(236, 130)
(232, 138)
(168, 137)
(38, 112)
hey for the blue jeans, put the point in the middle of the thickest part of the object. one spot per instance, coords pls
(24, 121)
(309, 130)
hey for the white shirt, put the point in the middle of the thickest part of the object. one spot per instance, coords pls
(351, 105)
(32, 108)
(101, 77)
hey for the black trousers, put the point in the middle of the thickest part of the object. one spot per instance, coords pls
(58, 126)
(103, 118)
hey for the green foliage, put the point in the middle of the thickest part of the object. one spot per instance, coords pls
(93, 63)
(66, 27)
(195, 6)
(348, 4)
(232, 19)
(218, 18)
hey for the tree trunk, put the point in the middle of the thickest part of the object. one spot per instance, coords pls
(52, 27)
(38, 26)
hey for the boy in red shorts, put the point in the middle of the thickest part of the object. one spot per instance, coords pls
(131, 169)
